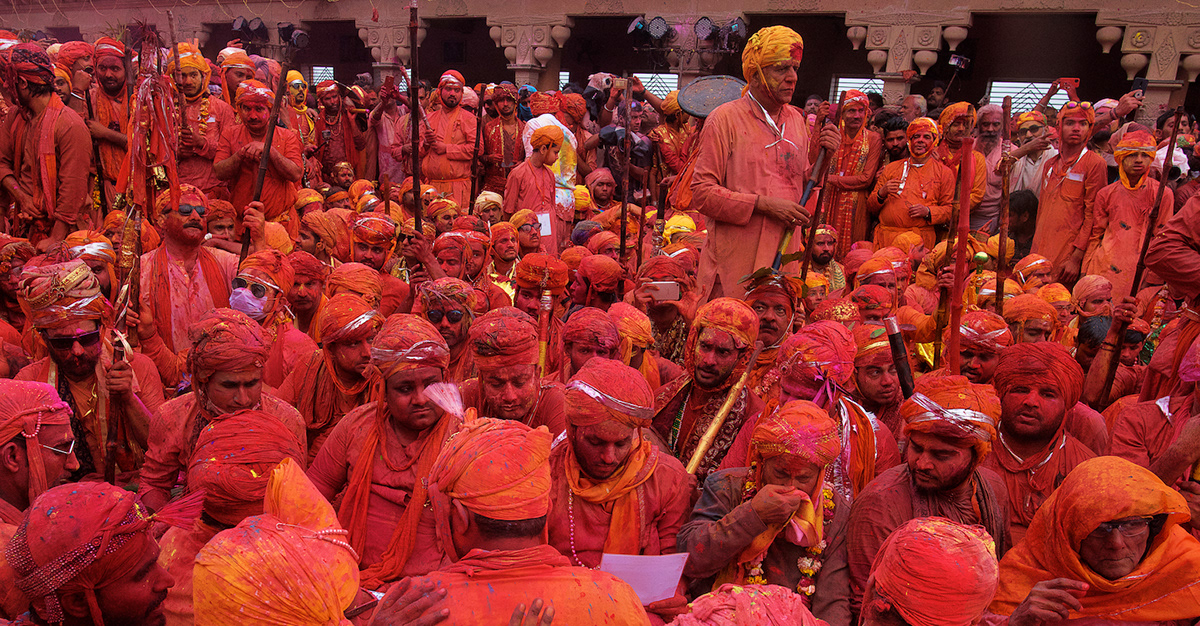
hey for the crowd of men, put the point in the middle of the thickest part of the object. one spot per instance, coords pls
(333, 396)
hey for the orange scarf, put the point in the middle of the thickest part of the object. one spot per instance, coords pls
(618, 494)
(160, 296)
(47, 166)
(106, 113)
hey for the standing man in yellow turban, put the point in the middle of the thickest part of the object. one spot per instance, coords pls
(303, 120)
(674, 137)
(205, 120)
(754, 157)
(531, 186)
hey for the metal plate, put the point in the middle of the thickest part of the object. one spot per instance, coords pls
(706, 93)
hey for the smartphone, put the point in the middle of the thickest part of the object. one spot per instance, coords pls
(1069, 82)
(621, 83)
(664, 291)
(1139, 85)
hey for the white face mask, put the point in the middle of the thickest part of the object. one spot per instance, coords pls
(243, 301)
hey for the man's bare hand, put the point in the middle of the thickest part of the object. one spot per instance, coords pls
(783, 210)
(830, 137)
(920, 212)
(534, 616)
(776, 504)
(1049, 601)
(1125, 309)
(1068, 272)
(412, 602)
(1129, 103)
(254, 220)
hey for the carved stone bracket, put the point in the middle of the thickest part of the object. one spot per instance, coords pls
(896, 41)
(1163, 44)
(389, 42)
(531, 43)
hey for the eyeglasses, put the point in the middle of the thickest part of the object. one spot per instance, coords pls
(70, 449)
(1030, 129)
(524, 228)
(1072, 104)
(455, 316)
(186, 210)
(258, 290)
(85, 340)
(1129, 528)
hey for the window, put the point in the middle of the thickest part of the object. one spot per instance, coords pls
(563, 79)
(402, 80)
(1025, 94)
(846, 83)
(320, 73)
(659, 84)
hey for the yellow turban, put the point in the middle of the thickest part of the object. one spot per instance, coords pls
(955, 111)
(546, 135)
(771, 45)
(189, 56)
(670, 104)
(678, 224)
(583, 198)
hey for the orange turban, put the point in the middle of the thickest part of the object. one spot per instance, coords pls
(590, 326)
(549, 134)
(220, 210)
(498, 469)
(605, 389)
(332, 235)
(542, 272)
(1077, 109)
(347, 318)
(189, 56)
(72, 51)
(955, 409)
(1027, 307)
(253, 90)
(504, 337)
(728, 315)
(1024, 268)
(107, 47)
(770, 46)
(274, 265)
(441, 206)
(821, 351)
(601, 272)
(290, 566)
(982, 330)
(502, 228)
(374, 229)
(25, 406)
(523, 217)
(634, 328)
(573, 256)
(1088, 287)
(114, 222)
(800, 429)
(598, 241)
(233, 457)
(1136, 142)
(227, 341)
(752, 604)
(907, 240)
(90, 245)
(670, 104)
(574, 106)
(306, 196)
(953, 112)
(924, 124)
(935, 572)
(408, 342)
(455, 241)
(872, 298)
(987, 291)
(61, 294)
(872, 345)
(1027, 117)
(1043, 360)
(357, 279)
(1054, 293)
(1102, 489)
(237, 59)
(875, 265)
(357, 188)
(307, 267)
(840, 310)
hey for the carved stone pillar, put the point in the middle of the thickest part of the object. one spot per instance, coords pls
(900, 42)
(1160, 42)
(533, 49)
(389, 44)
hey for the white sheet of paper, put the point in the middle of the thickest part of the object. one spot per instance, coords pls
(653, 578)
(544, 225)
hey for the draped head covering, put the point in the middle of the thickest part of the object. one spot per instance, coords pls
(332, 235)
(1136, 142)
(574, 255)
(767, 47)
(224, 340)
(233, 458)
(1030, 263)
(1041, 361)
(357, 279)
(600, 239)
(290, 566)
(1088, 287)
(601, 272)
(28, 61)
(935, 572)
(62, 294)
(633, 326)
(982, 331)
(760, 605)
(923, 124)
(504, 337)
(600, 174)
(953, 112)
(26, 406)
(348, 318)
(1163, 587)
(954, 409)
(1054, 293)
(542, 272)
(730, 316)
(488, 200)
(498, 469)
(1027, 307)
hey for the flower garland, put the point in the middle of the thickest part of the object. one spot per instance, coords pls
(810, 562)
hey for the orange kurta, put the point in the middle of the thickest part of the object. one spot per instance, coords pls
(1143, 431)
(930, 184)
(533, 188)
(1065, 201)
(278, 193)
(505, 145)
(549, 410)
(450, 172)
(1119, 220)
(1031, 481)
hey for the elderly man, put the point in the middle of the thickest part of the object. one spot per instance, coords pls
(752, 162)
(1037, 384)
(45, 149)
(450, 304)
(949, 426)
(589, 333)
(225, 362)
(505, 347)
(913, 194)
(718, 351)
(110, 399)
(379, 455)
(205, 120)
(1109, 545)
(612, 490)
(338, 133)
(1071, 180)
(37, 448)
(448, 141)
(776, 522)
(989, 142)
(330, 382)
(851, 173)
(490, 488)
(503, 149)
(912, 107)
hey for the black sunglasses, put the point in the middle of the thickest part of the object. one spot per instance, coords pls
(455, 316)
(186, 210)
(85, 340)
(256, 289)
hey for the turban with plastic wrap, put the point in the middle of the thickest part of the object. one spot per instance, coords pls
(955, 409)
(348, 318)
(408, 342)
(504, 337)
(26, 406)
(800, 429)
(272, 265)
(542, 272)
(767, 47)
(1045, 361)
(935, 572)
(290, 566)
(357, 279)
(233, 457)
(225, 340)
(592, 327)
(107, 47)
(874, 266)
(374, 229)
(605, 389)
(62, 294)
(254, 91)
(982, 330)
(90, 245)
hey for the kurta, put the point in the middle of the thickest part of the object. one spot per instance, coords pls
(70, 146)
(1119, 220)
(179, 548)
(173, 434)
(548, 410)
(1143, 431)
(683, 412)
(1027, 172)
(674, 146)
(343, 142)
(388, 136)
(484, 587)
(209, 117)
(892, 499)
(742, 156)
(986, 217)
(278, 193)
(391, 489)
(1030, 481)
(533, 188)
(450, 173)
(504, 144)
(190, 295)
(722, 526)
(1064, 216)
(949, 157)
(113, 114)
(1173, 256)
(850, 177)
(290, 346)
(930, 183)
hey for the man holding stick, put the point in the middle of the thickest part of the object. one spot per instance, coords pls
(753, 161)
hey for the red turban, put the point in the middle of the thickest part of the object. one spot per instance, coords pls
(220, 210)
(253, 90)
(114, 223)
(374, 229)
(64, 293)
(753, 604)
(542, 272)
(70, 52)
(876, 265)
(872, 344)
(107, 47)
(233, 458)
(502, 228)
(854, 260)
(798, 428)
(25, 406)
(1042, 361)
(874, 298)
(1024, 268)
(601, 272)
(590, 326)
(272, 265)
(439, 206)
(573, 256)
(504, 337)
(573, 105)
(454, 241)
(471, 223)
(923, 124)
(505, 90)
(407, 342)
(935, 572)
(347, 318)
(984, 331)
(543, 102)
(332, 234)
(495, 468)
(820, 351)
(728, 315)
(225, 340)
(448, 292)
(355, 278)
(597, 175)
(598, 241)
(1027, 307)
(605, 389)
(452, 78)
(955, 409)
(840, 310)
(307, 267)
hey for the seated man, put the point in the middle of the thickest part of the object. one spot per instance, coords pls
(260, 291)
(449, 304)
(719, 348)
(669, 319)
(774, 300)
(334, 380)
(949, 425)
(379, 455)
(637, 346)
(597, 282)
(931, 571)
(1030, 318)
(490, 490)
(372, 237)
(612, 490)
(983, 335)
(504, 346)
(304, 294)
(37, 448)
(1036, 383)
(589, 333)
(357, 279)
(1159, 435)
(74, 319)
(752, 604)
(537, 276)
(1108, 546)
(876, 382)
(776, 522)
(226, 365)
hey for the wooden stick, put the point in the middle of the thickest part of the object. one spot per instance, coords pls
(1005, 173)
(943, 294)
(415, 114)
(178, 70)
(714, 427)
(265, 161)
(625, 177)
(476, 176)
(820, 169)
(967, 169)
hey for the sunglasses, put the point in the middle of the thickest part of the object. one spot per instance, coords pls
(186, 210)
(455, 316)
(1031, 129)
(85, 340)
(258, 290)
(70, 449)
(1072, 104)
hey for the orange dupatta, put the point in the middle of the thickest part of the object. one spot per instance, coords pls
(617, 493)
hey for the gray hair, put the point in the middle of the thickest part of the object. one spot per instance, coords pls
(922, 106)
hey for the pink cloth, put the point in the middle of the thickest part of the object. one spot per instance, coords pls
(533, 189)
(196, 166)
(291, 345)
(189, 293)
(1119, 220)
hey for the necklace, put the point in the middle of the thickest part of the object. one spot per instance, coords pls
(571, 519)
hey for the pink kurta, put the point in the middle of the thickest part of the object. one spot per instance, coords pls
(533, 188)
(189, 293)
(450, 173)
(742, 156)
(1119, 220)
(290, 346)
(1143, 431)
(1064, 217)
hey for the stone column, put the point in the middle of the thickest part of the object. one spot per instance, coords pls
(390, 49)
(901, 43)
(1166, 44)
(533, 49)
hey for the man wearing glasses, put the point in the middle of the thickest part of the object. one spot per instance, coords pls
(37, 447)
(449, 304)
(1032, 152)
(112, 400)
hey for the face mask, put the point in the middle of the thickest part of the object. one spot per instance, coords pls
(243, 301)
